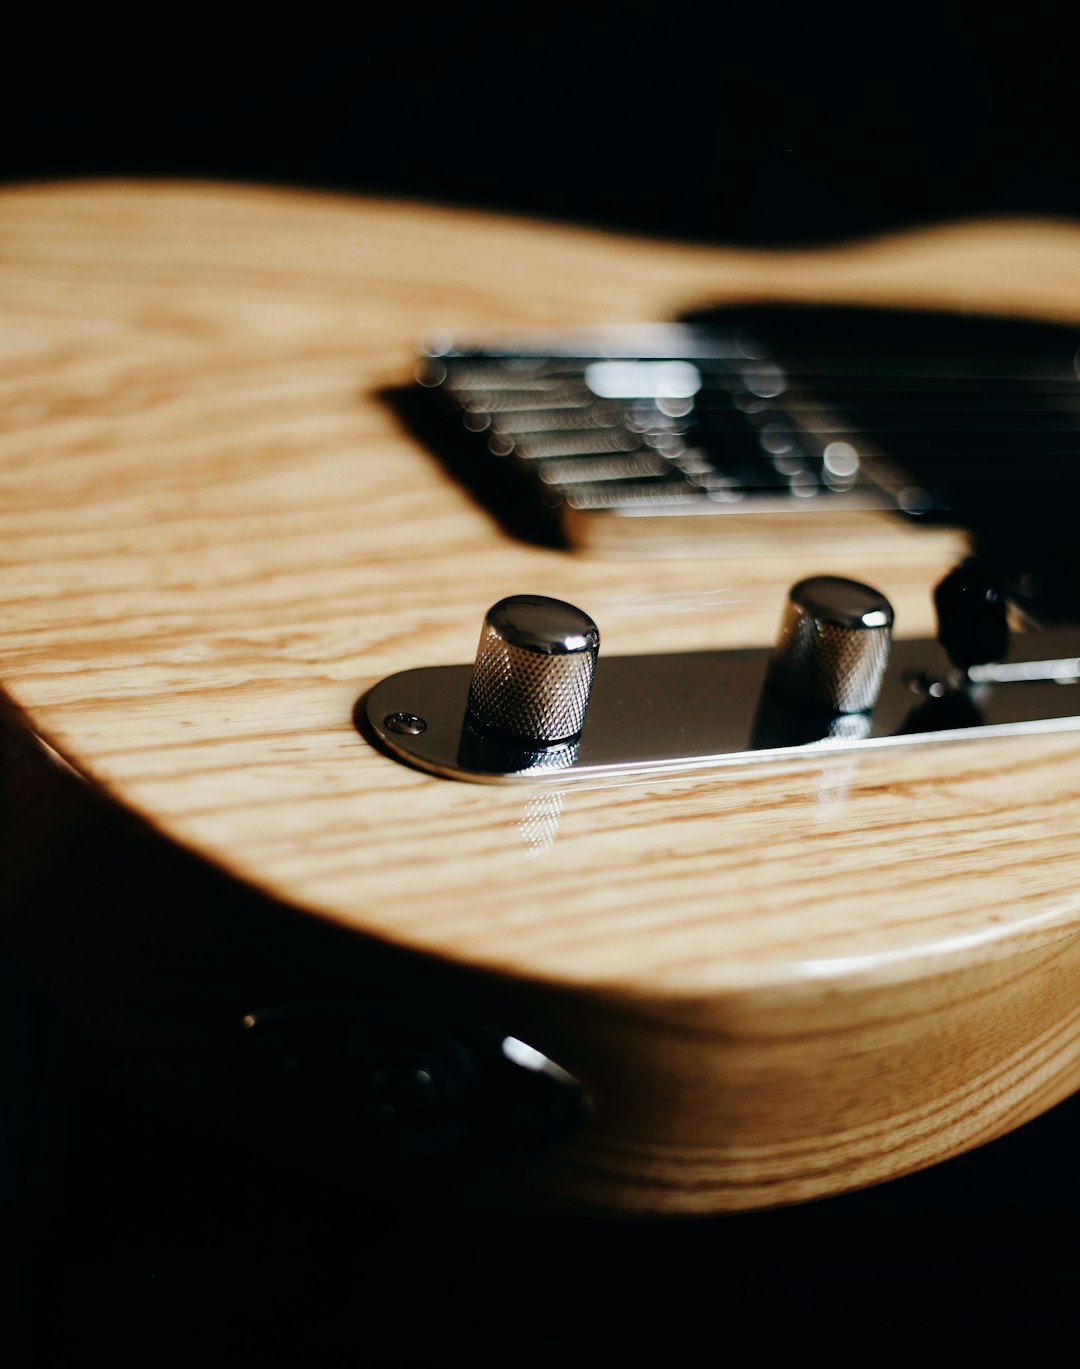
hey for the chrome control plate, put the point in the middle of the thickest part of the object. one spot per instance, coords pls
(702, 710)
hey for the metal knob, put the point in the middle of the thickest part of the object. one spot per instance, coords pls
(534, 668)
(833, 645)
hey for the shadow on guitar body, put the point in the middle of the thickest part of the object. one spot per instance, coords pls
(194, 1196)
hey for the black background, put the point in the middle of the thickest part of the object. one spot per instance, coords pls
(761, 126)
(162, 1245)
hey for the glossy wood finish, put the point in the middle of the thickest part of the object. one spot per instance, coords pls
(776, 983)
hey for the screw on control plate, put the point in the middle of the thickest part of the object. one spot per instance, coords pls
(406, 723)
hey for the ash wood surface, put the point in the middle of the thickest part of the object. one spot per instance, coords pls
(776, 983)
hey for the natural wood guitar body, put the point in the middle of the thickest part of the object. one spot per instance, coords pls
(775, 983)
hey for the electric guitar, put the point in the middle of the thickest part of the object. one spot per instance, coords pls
(743, 985)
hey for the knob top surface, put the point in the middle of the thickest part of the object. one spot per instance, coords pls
(843, 603)
(548, 627)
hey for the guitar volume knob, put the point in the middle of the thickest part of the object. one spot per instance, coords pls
(534, 669)
(833, 645)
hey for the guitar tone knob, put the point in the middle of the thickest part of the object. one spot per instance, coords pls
(534, 669)
(833, 645)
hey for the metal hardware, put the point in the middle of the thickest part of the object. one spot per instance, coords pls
(702, 710)
(429, 1098)
(625, 437)
(534, 669)
(408, 724)
(1026, 672)
(833, 645)
(678, 440)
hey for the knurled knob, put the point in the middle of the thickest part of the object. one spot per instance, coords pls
(534, 668)
(833, 645)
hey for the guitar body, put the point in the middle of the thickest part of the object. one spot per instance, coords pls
(774, 982)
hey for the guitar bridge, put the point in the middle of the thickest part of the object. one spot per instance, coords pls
(697, 437)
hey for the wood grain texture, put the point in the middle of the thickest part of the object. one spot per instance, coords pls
(776, 983)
